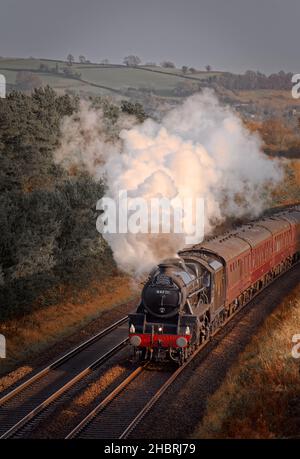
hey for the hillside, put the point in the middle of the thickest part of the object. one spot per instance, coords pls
(253, 95)
(100, 79)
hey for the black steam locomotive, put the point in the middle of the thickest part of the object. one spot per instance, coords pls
(188, 298)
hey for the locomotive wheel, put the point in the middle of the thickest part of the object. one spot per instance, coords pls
(143, 354)
(181, 359)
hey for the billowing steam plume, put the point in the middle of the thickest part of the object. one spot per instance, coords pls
(199, 149)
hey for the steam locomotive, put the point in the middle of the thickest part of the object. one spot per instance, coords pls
(186, 299)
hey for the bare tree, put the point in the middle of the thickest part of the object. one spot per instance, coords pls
(132, 61)
(70, 59)
(168, 65)
(208, 68)
(184, 69)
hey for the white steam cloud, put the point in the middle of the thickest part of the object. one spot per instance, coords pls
(199, 149)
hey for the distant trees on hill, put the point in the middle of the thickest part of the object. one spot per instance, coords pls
(65, 71)
(70, 59)
(132, 61)
(168, 65)
(256, 80)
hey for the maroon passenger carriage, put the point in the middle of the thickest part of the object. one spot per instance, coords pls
(188, 298)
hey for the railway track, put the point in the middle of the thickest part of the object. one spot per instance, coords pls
(122, 411)
(196, 385)
(21, 406)
(124, 408)
(118, 415)
(113, 414)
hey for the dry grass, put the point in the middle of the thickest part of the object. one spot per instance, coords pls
(94, 389)
(271, 98)
(78, 407)
(260, 397)
(13, 377)
(29, 335)
(289, 191)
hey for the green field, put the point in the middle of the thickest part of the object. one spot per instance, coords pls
(102, 79)
(165, 84)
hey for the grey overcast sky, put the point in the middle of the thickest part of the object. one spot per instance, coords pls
(233, 35)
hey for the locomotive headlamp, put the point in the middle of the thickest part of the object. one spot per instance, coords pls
(132, 328)
(160, 329)
(135, 340)
(181, 341)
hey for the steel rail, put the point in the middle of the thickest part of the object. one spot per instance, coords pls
(104, 403)
(136, 421)
(42, 406)
(61, 360)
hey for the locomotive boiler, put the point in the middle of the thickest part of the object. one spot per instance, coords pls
(187, 298)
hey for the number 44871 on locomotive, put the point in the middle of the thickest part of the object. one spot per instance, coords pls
(186, 299)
